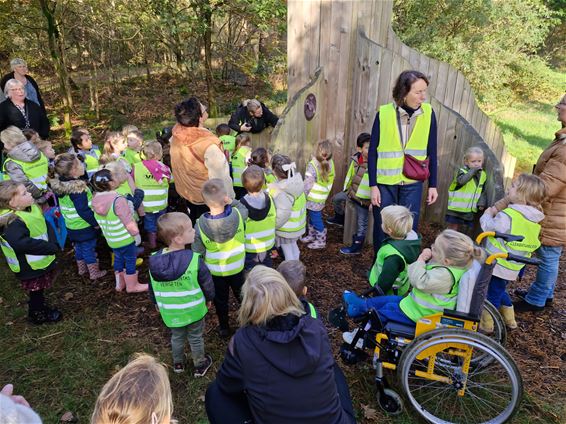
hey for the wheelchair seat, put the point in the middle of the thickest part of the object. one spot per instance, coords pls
(400, 330)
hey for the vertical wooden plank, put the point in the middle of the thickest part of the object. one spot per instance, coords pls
(384, 93)
(458, 92)
(433, 74)
(441, 77)
(450, 87)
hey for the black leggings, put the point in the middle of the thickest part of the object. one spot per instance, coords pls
(234, 409)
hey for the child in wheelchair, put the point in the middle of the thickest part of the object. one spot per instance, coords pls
(388, 275)
(434, 278)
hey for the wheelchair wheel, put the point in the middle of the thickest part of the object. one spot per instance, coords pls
(390, 402)
(499, 333)
(441, 384)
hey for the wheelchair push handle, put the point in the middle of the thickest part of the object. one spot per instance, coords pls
(523, 260)
(504, 236)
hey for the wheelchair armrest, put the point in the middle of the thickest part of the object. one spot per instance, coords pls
(460, 315)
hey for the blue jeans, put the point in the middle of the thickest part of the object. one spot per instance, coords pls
(315, 219)
(543, 286)
(388, 309)
(85, 251)
(125, 257)
(408, 195)
(362, 213)
(150, 221)
(497, 292)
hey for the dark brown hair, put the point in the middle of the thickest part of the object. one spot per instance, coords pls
(259, 157)
(403, 84)
(101, 180)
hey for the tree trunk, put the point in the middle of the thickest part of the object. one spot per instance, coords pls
(206, 15)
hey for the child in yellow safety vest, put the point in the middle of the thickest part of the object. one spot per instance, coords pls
(290, 205)
(82, 146)
(152, 177)
(239, 162)
(224, 133)
(262, 158)
(29, 246)
(295, 272)
(434, 278)
(466, 194)
(319, 178)
(115, 144)
(25, 164)
(221, 240)
(115, 218)
(521, 218)
(260, 225)
(400, 248)
(74, 202)
(182, 289)
(133, 153)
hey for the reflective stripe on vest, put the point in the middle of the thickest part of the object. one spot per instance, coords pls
(401, 285)
(35, 223)
(321, 189)
(297, 220)
(91, 161)
(466, 198)
(73, 220)
(181, 301)
(390, 152)
(155, 193)
(519, 226)
(114, 230)
(224, 259)
(312, 311)
(239, 164)
(35, 171)
(419, 304)
(260, 235)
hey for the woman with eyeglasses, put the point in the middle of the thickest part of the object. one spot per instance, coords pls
(20, 73)
(551, 168)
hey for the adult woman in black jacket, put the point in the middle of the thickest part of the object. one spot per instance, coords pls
(21, 112)
(20, 72)
(279, 366)
(252, 116)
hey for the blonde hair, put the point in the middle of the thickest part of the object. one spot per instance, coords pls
(266, 295)
(253, 179)
(153, 150)
(134, 135)
(128, 129)
(140, 393)
(323, 155)
(398, 220)
(118, 170)
(242, 139)
(474, 150)
(214, 192)
(110, 140)
(42, 144)
(172, 224)
(529, 190)
(457, 248)
(12, 137)
(294, 272)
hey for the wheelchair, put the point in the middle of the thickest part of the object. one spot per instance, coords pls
(447, 369)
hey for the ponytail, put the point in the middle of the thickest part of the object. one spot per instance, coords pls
(324, 156)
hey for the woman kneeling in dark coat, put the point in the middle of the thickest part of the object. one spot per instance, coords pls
(279, 366)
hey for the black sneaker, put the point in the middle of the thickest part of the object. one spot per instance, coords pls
(179, 368)
(337, 220)
(44, 316)
(521, 294)
(201, 370)
(524, 306)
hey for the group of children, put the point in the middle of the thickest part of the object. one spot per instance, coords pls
(125, 188)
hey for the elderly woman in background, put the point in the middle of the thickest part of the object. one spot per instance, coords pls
(21, 112)
(20, 73)
(252, 116)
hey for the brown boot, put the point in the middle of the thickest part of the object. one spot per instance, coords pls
(508, 314)
(133, 285)
(94, 271)
(81, 265)
(120, 282)
(486, 322)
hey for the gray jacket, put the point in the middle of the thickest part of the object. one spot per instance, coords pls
(25, 152)
(284, 193)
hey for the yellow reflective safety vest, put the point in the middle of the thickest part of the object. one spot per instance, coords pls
(35, 222)
(465, 199)
(155, 193)
(132, 156)
(113, 229)
(73, 220)
(420, 304)
(36, 171)
(224, 259)
(321, 188)
(297, 220)
(519, 226)
(260, 235)
(239, 164)
(401, 285)
(390, 152)
(228, 143)
(363, 191)
(91, 160)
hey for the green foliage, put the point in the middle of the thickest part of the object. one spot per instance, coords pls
(493, 42)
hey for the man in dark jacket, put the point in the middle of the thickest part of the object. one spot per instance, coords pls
(252, 116)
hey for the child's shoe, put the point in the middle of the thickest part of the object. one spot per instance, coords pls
(521, 294)
(120, 282)
(133, 285)
(201, 370)
(44, 315)
(355, 305)
(310, 237)
(355, 248)
(319, 241)
(508, 314)
(179, 368)
(81, 265)
(486, 322)
(348, 337)
(94, 271)
(337, 219)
